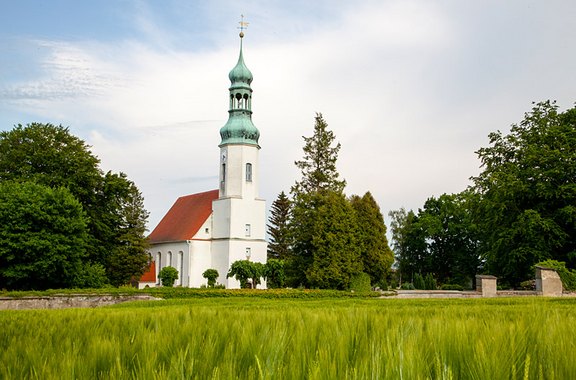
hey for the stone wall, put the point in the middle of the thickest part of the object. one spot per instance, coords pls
(63, 302)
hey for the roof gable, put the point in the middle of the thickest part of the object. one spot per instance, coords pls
(184, 218)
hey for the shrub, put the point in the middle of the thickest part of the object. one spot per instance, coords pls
(419, 281)
(383, 284)
(91, 275)
(211, 275)
(429, 282)
(360, 283)
(275, 273)
(452, 287)
(528, 285)
(168, 275)
(407, 286)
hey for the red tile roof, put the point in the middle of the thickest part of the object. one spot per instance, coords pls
(184, 218)
(150, 274)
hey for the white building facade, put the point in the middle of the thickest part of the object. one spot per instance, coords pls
(213, 229)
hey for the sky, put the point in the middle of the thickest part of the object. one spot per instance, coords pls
(411, 88)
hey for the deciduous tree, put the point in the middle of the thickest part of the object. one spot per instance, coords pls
(211, 275)
(43, 237)
(528, 193)
(49, 155)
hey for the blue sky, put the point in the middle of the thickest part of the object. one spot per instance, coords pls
(411, 88)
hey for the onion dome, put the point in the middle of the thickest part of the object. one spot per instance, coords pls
(239, 128)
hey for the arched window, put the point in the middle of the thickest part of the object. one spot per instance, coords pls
(248, 172)
(169, 259)
(158, 265)
(223, 183)
(180, 267)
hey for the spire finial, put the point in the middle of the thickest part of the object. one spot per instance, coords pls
(243, 26)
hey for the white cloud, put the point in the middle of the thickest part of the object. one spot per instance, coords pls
(411, 89)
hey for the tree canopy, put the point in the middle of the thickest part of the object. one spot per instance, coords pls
(377, 257)
(42, 237)
(520, 210)
(439, 240)
(332, 239)
(318, 166)
(528, 193)
(115, 217)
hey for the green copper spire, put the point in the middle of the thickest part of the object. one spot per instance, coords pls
(239, 128)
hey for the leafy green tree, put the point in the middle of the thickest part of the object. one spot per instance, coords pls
(318, 165)
(279, 244)
(127, 257)
(377, 257)
(527, 189)
(168, 276)
(247, 272)
(43, 236)
(49, 155)
(441, 239)
(409, 243)
(211, 275)
(274, 273)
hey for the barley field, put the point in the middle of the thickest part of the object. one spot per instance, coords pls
(257, 338)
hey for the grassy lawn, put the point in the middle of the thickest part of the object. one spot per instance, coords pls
(286, 338)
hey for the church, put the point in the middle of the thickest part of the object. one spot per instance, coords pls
(213, 229)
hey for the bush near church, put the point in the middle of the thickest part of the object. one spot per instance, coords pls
(168, 275)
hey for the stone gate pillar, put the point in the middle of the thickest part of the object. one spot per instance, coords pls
(548, 282)
(486, 285)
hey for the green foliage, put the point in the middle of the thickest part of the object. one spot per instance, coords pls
(419, 282)
(91, 275)
(279, 244)
(326, 252)
(528, 194)
(246, 272)
(452, 287)
(440, 239)
(211, 275)
(407, 286)
(318, 165)
(43, 236)
(168, 275)
(568, 276)
(127, 256)
(376, 255)
(429, 282)
(275, 274)
(360, 282)
(49, 155)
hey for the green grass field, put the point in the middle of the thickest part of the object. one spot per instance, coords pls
(257, 338)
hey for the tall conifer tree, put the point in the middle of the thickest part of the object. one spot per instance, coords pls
(318, 165)
(323, 227)
(377, 256)
(279, 245)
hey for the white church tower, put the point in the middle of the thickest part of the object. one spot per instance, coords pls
(239, 214)
(212, 229)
